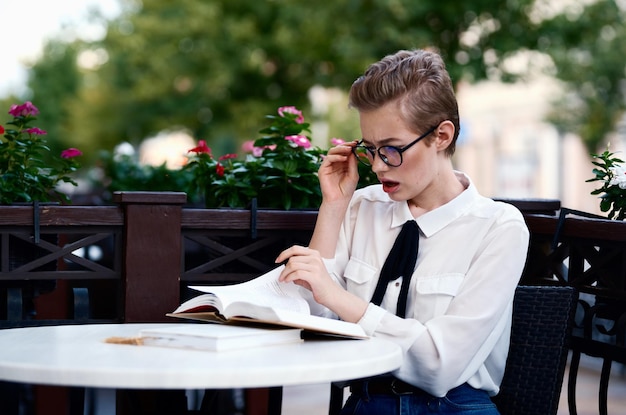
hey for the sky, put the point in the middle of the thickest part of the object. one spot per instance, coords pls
(26, 24)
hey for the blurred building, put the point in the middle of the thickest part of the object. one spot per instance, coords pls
(510, 151)
(169, 147)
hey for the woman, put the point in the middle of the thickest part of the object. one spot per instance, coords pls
(450, 307)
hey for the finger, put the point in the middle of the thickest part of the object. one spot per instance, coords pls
(304, 284)
(294, 275)
(336, 158)
(282, 257)
(288, 253)
(340, 150)
(289, 274)
(349, 144)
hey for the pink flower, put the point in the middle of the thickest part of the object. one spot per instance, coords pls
(24, 110)
(201, 148)
(337, 141)
(227, 156)
(291, 110)
(299, 140)
(219, 169)
(71, 153)
(248, 146)
(36, 131)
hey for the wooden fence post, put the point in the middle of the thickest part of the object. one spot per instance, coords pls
(152, 257)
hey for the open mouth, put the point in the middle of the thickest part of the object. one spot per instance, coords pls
(389, 186)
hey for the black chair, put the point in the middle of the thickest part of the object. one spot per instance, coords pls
(542, 322)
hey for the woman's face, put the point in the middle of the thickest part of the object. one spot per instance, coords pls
(419, 169)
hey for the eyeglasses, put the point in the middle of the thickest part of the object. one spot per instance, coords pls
(390, 155)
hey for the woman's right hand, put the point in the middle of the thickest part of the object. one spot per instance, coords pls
(338, 174)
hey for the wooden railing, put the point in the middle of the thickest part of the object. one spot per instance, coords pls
(132, 262)
(590, 255)
(76, 264)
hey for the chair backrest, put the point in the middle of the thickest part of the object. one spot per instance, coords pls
(542, 323)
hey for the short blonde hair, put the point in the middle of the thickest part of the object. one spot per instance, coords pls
(418, 81)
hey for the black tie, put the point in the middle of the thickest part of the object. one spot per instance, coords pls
(399, 263)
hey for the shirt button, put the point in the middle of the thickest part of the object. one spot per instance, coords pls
(397, 284)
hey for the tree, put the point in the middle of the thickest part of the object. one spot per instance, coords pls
(216, 67)
(588, 56)
(54, 81)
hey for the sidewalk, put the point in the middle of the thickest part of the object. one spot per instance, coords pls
(313, 399)
(587, 390)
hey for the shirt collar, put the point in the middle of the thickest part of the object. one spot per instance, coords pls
(435, 220)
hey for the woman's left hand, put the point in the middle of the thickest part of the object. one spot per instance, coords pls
(306, 268)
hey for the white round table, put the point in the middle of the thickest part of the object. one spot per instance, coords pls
(77, 355)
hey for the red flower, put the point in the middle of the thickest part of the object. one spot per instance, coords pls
(219, 169)
(1, 129)
(71, 153)
(201, 148)
(23, 110)
(227, 156)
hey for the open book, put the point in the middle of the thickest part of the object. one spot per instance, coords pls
(262, 300)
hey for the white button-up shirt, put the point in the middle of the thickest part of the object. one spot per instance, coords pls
(472, 251)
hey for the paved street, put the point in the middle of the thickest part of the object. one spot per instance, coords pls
(587, 391)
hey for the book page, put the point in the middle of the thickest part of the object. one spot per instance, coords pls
(307, 322)
(264, 290)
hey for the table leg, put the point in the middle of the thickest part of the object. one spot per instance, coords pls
(148, 401)
(336, 397)
(275, 403)
(77, 402)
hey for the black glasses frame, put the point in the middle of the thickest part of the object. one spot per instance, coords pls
(382, 156)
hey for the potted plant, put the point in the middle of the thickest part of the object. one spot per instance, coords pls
(279, 170)
(610, 172)
(27, 171)
(29, 174)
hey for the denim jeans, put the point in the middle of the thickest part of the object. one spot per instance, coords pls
(461, 400)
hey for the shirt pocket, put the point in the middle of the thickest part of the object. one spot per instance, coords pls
(434, 294)
(359, 276)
